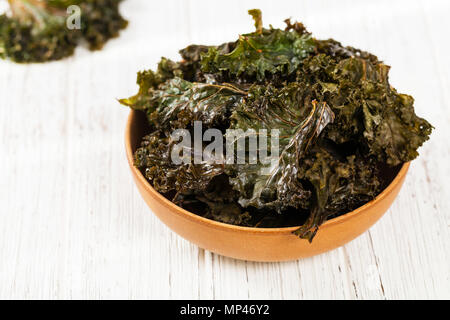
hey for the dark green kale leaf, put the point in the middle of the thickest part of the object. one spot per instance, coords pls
(221, 202)
(147, 81)
(155, 158)
(394, 132)
(368, 110)
(191, 63)
(340, 184)
(180, 103)
(275, 185)
(177, 103)
(36, 31)
(266, 51)
(336, 50)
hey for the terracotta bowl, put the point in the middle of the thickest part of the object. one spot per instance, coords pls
(256, 244)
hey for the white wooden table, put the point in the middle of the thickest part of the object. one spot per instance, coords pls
(72, 224)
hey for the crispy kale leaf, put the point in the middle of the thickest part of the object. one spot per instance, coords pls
(154, 157)
(341, 127)
(274, 184)
(36, 31)
(368, 110)
(101, 21)
(261, 53)
(177, 103)
(340, 184)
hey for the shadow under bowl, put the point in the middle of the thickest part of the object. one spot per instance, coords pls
(256, 244)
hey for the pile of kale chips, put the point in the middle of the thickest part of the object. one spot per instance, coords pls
(340, 124)
(37, 30)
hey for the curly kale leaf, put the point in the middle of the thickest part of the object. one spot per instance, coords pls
(101, 21)
(260, 53)
(394, 132)
(368, 110)
(387, 123)
(147, 81)
(189, 184)
(274, 184)
(340, 184)
(177, 103)
(36, 31)
(155, 158)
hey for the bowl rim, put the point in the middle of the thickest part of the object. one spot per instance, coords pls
(229, 227)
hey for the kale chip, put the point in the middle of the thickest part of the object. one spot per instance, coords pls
(339, 124)
(37, 31)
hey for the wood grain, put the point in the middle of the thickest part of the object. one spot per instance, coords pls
(73, 226)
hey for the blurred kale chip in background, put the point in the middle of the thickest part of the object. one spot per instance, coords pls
(37, 30)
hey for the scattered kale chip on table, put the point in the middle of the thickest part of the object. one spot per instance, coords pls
(339, 120)
(37, 31)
